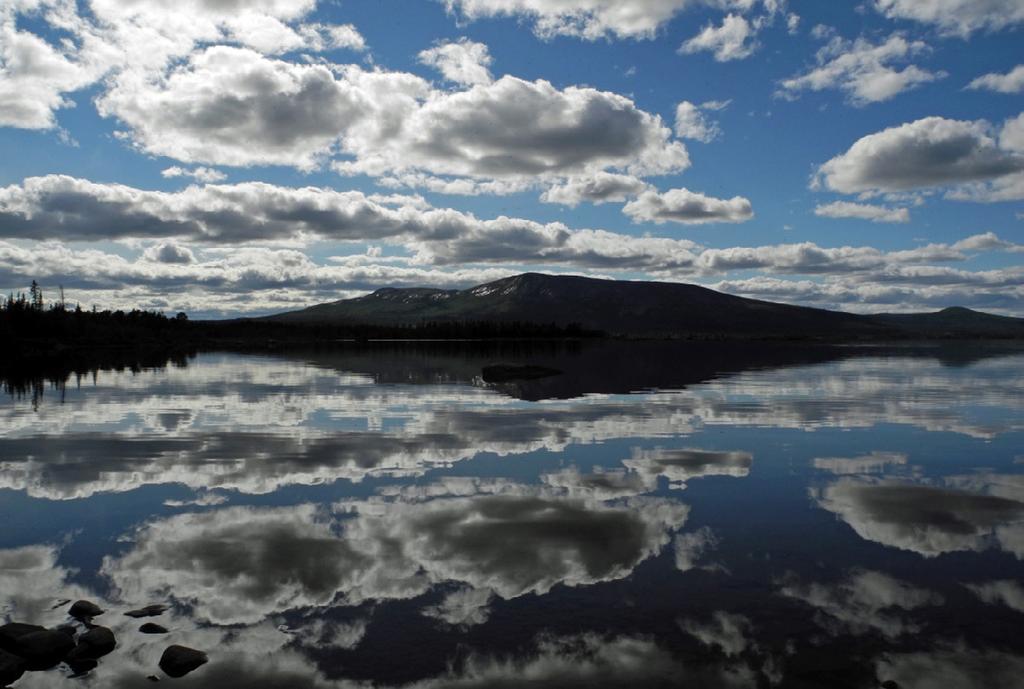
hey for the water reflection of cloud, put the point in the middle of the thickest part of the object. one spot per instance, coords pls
(682, 465)
(241, 564)
(874, 462)
(926, 519)
(1005, 591)
(953, 668)
(728, 631)
(225, 422)
(32, 583)
(862, 602)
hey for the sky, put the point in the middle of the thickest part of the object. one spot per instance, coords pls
(233, 157)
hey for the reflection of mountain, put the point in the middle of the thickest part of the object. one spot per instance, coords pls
(639, 308)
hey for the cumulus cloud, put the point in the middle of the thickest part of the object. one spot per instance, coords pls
(1011, 82)
(234, 106)
(200, 174)
(956, 17)
(589, 19)
(36, 76)
(518, 130)
(462, 62)
(862, 211)
(687, 207)
(864, 70)
(733, 40)
(691, 123)
(933, 152)
(602, 187)
(169, 252)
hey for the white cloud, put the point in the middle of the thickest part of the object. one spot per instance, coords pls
(862, 211)
(691, 123)
(933, 152)
(589, 19)
(733, 40)
(462, 62)
(687, 207)
(232, 106)
(200, 174)
(36, 76)
(956, 17)
(1011, 82)
(863, 69)
(602, 187)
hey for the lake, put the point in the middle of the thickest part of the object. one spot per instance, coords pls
(656, 514)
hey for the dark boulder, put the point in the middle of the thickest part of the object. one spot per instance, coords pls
(148, 611)
(83, 609)
(95, 643)
(150, 628)
(178, 661)
(43, 649)
(11, 668)
(11, 632)
(81, 666)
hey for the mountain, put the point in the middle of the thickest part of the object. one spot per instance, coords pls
(640, 309)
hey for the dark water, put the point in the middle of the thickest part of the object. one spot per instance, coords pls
(657, 515)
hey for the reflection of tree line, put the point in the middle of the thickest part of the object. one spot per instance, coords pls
(33, 377)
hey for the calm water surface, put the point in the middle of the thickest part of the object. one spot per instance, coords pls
(657, 515)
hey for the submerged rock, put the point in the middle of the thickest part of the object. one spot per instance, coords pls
(11, 667)
(43, 649)
(83, 609)
(150, 628)
(178, 661)
(148, 611)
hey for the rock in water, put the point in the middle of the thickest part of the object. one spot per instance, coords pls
(10, 633)
(95, 643)
(150, 628)
(44, 649)
(11, 668)
(178, 661)
(83, 609)
(148, 611)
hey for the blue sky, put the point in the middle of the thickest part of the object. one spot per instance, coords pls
(234, 157)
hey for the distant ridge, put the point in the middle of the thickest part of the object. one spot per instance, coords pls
(651, 309)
